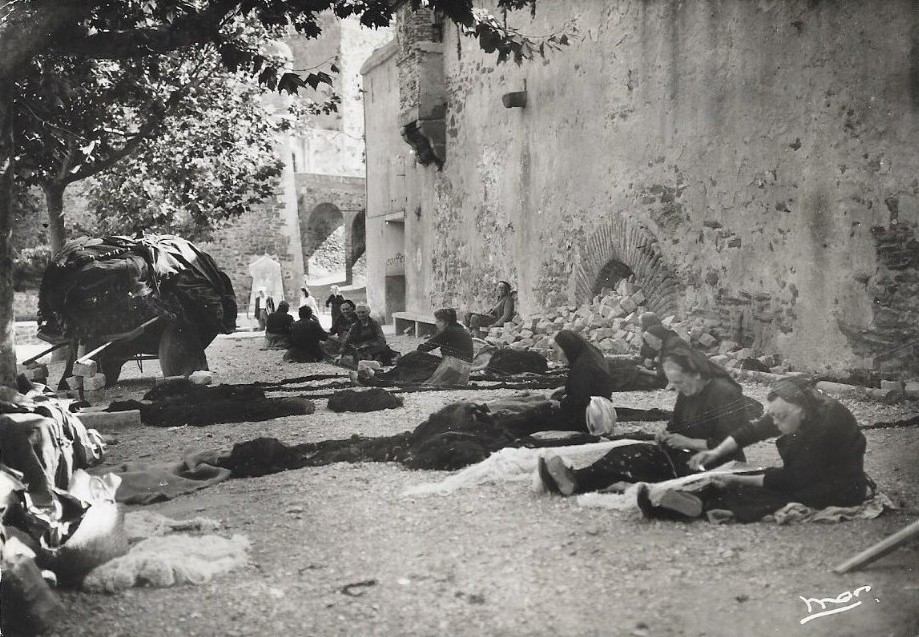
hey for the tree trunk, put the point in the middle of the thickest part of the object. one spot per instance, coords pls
(7, 169)
(54, 199)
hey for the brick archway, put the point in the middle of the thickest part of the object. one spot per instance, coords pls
(624, 242)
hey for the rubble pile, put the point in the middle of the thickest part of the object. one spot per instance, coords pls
(612, 322)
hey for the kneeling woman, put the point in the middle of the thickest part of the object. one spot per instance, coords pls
(822, 450)
(710, 406)
(455, 345)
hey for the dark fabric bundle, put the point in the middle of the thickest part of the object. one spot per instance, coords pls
(413, 367)
(516, 361)
(98, 287)
(374, 399)
(183, 403)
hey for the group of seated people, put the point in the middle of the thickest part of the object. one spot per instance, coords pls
(818, 439)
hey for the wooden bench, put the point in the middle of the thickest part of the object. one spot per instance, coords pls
(423, 324)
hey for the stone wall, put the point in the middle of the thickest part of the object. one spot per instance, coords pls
(735, 154)
(260, 231)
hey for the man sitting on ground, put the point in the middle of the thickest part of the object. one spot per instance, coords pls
(305, 337)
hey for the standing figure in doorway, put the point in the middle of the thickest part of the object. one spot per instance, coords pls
(264, 305)
(334, 303)
(308, 300)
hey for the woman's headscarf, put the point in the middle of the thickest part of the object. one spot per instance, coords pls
(577, 348)
(797, 391)
(694, 361)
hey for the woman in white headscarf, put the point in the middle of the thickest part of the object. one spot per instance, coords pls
(309, 300)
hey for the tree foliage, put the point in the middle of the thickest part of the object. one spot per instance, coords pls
(215, 157)
(134, 30)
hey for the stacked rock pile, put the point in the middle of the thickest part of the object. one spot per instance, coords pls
(612, 322)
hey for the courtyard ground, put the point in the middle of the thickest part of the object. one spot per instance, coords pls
(495, 559)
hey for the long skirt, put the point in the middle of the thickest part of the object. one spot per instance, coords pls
(451, 371)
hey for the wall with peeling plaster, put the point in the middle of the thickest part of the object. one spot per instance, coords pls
(767, 148)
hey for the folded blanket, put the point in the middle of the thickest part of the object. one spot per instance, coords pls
(148, 483)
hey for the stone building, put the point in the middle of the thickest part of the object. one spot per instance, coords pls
(751, 162)
(322, 187)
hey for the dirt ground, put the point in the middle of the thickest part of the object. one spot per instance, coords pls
(495, 559)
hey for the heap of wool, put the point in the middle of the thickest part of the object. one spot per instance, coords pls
(374, 399)
(170, 561)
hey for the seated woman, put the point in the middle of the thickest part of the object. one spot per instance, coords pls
(451, 368)
(277, 327)
(657, 340)
(502, 312)
(455, 345)
(306, 336)
(710, 406)
(365, 341)
(341, 326)
(588, 376)
(822, 450)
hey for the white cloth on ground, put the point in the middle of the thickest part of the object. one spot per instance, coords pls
(513, 465)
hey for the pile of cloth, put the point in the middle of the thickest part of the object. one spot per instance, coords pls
(99, 286)
(181, 402)
(55, 516)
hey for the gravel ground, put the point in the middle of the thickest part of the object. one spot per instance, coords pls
(496, 559)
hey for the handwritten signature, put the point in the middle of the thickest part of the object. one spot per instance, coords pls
(831, 605)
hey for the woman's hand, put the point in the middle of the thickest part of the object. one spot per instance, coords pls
(702, 459)
(678, 441)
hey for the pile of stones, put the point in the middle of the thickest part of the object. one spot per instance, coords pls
(612, 321)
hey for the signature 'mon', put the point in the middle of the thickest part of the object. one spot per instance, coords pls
(833, 603)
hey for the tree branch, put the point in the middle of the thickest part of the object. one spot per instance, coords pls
(191, 29)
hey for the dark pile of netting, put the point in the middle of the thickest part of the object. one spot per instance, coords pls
(458, 435)
(94, 288)
(180, 402)
(517, 361)
(373, 399)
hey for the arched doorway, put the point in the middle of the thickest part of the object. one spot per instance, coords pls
(320, 225)
(621, 248)
(357, 243)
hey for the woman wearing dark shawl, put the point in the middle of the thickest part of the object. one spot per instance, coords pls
(709, 407)
(822, 451)
(587, 376)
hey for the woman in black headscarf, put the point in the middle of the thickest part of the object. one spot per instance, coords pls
(822, 451)
(656, 341)
(710, 406)
(588, 376)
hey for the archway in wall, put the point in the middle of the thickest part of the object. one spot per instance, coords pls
(321, 223)
(610, 275)
(618, 249)
(357, 245)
